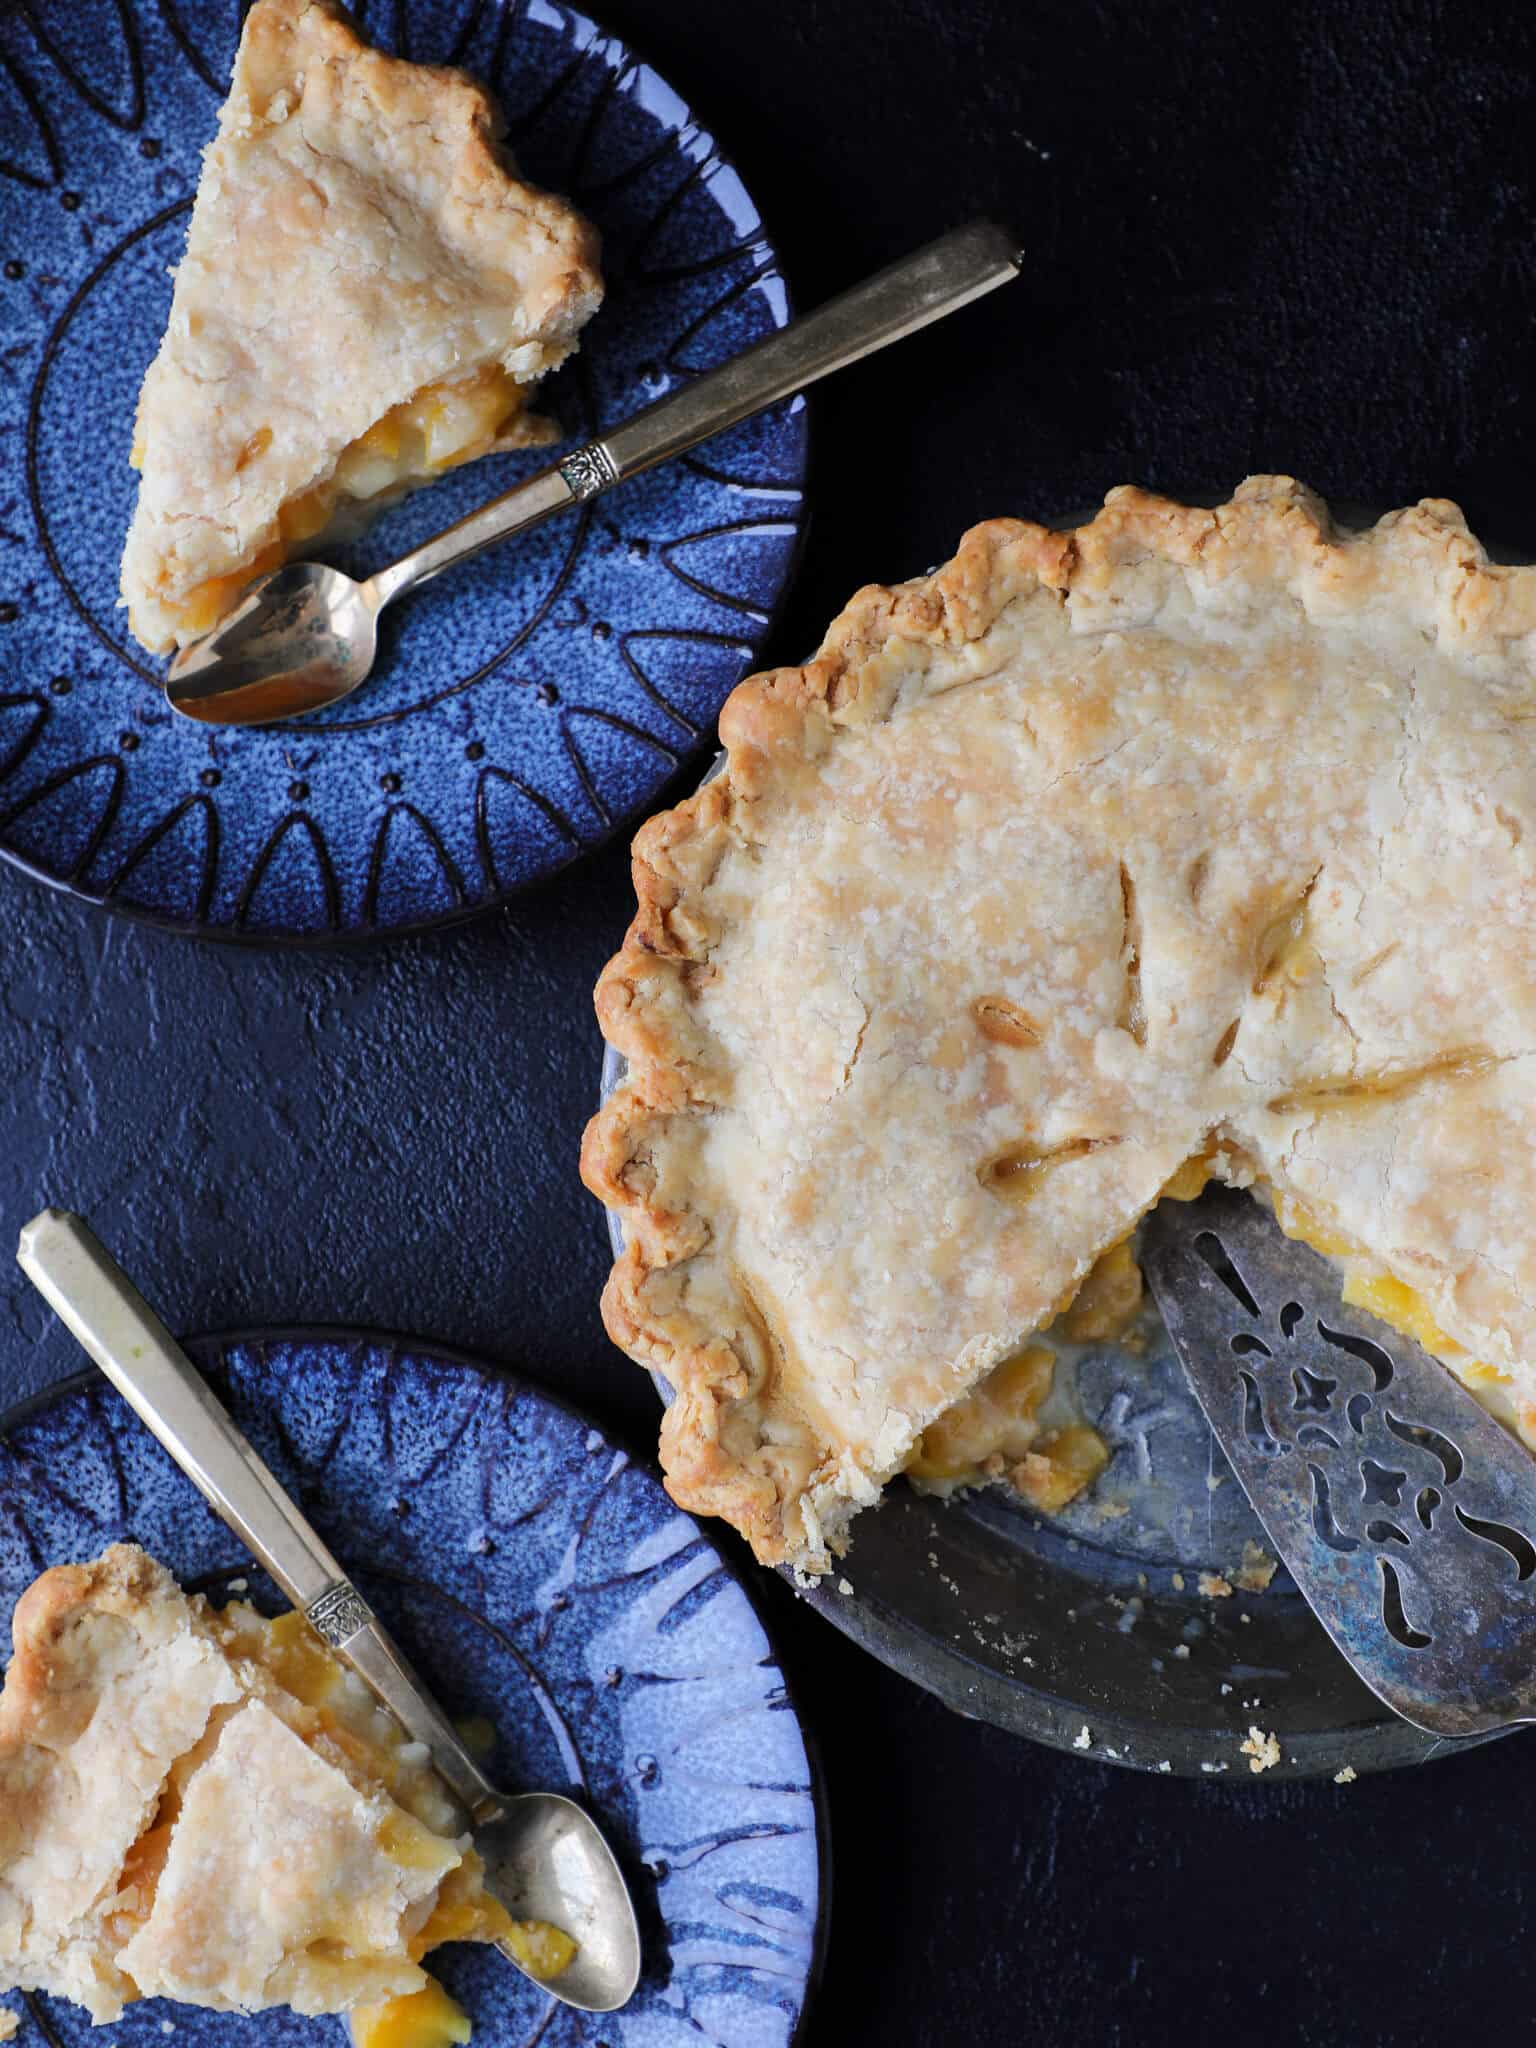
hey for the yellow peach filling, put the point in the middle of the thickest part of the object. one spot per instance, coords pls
(447, 423)
(995, 1433)
(1060, 1467)
(1109, 1300)
(428, 2018)
(544, 1951)
(1188, 1184)
(996, 1419)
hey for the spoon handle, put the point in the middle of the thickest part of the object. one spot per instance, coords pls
(921, 288)
(101, 1308)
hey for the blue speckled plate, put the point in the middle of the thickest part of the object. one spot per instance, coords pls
(525, 705)
(539, 1578)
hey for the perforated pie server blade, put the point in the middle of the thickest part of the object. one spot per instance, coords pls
(1400, 1506)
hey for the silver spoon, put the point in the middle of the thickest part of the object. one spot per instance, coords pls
(545, 1858)
(305, 636)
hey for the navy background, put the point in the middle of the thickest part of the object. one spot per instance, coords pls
(1291, 237)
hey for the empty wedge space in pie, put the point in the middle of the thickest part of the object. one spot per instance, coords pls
(369, 297)
(1190, 843)
(202, 1804)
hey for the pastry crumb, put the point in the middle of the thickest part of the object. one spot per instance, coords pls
(1345, 1777)
(1214, 1482)
(1225, 1688)
(1214, 1587)
(1165, 1765)
(1213, 1770)
(1181, 1649)
(844, 1586)
(1261, 1750)
(1083, 1739)
(1178, 1582)
(9, 2022)
(1256, 1569)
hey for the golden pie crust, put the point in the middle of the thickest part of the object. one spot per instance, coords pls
(203, 1805)
(1189, 834)
(364, 268)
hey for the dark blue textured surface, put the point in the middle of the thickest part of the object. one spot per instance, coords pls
(539, 1579)
(524, 704)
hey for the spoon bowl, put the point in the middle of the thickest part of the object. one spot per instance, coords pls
(300, 639)
(545, 1860)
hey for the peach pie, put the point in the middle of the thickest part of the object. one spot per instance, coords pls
(1097, 862)
(369, 297)
(203, 1805)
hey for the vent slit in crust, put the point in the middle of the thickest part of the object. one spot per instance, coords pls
(1133, 1015)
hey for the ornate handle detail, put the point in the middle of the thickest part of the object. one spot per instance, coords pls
(339, 1614)
(589, 470)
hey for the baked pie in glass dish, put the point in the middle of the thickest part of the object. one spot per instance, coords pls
(202, 1804)
(369, 297)
(1187, 844)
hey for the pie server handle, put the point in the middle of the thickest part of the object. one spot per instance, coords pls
(101, 1308)
(934, 281)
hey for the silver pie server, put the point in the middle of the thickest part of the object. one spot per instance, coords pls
(545, 1857)
(305, 636)
(1403, 1510)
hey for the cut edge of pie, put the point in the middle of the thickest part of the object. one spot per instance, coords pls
(369, 297)
(737, 1441)
(204, 1804)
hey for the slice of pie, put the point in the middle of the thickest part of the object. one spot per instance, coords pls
(1190, 842)
(206, 1806)
(369, 297)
